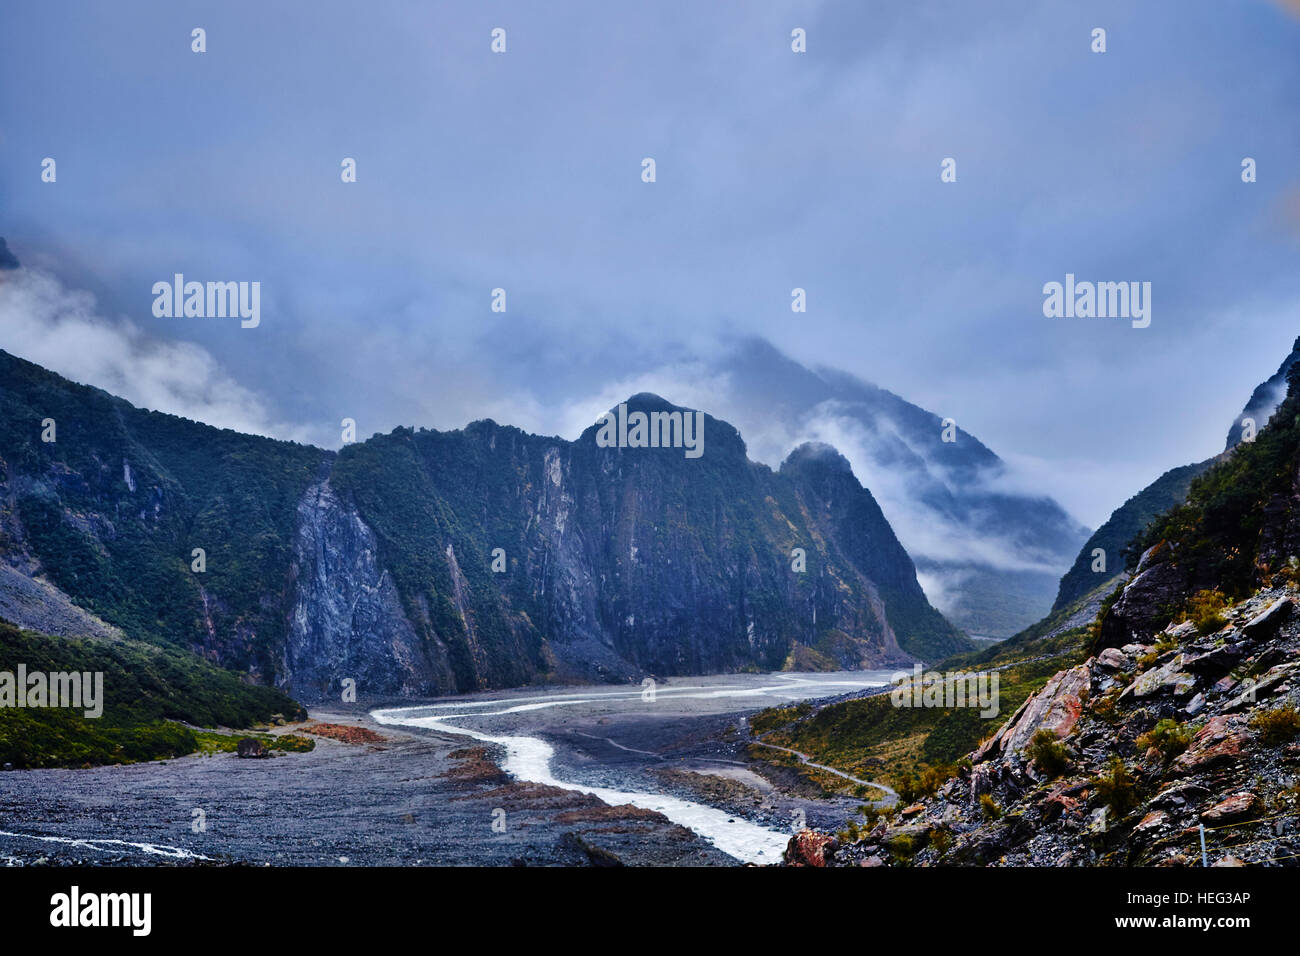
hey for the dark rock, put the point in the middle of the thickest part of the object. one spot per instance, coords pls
(1140, 611)
(1213, 664)
(810, 848)
(1236, 807)
(1265, 624)
(251, 747)
(594, 855)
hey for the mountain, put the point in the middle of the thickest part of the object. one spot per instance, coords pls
(1264, 400)
(7, 259)
(990, 557)
(1128, 521)
(303, 568)
(1119, 530)
(1181, 712)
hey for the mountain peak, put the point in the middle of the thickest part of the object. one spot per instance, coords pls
(650, 402)
(818, 454)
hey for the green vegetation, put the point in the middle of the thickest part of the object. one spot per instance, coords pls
(147, 690)
(904, 846)
(914, 748)
(1217, 530)
(989, 807)
(1168, 736)
(115, 507)
(1048, 754)
(209, 742)
(941, 839)
(774, 717)
(1205, 608)
(1276, 726)
(1117, 788)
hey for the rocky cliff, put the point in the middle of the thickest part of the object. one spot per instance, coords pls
(424, 562)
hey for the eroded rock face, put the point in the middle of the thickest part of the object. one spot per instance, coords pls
(1236, 807)
(1056, 708)
(1142, 609)
(810, 848)
(347, 620)
(1220, 741)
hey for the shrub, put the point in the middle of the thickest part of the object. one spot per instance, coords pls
(908, 787)
(1048, 753)
(1168, 736)
(1117, 788)
(932, 778)
(1276, 726)
(941, 840)
(989, 806)
(1204, 609)
(904, 846)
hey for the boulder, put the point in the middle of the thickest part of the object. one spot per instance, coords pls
(1137, 615)
(810, 848)
(1221, 740)
(1056, 707)
(1236, 807)
(1181, 632)
(1113, 659)
(251, 747)
(1169, 676)
(1265, 624)
(1214, 663)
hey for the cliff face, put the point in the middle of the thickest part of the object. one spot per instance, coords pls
(611, 563)
(347, 619)
(425, 562)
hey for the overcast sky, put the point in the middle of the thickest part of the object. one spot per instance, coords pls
(522, 170)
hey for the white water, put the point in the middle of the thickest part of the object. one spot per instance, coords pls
(529, 758)
(104, 846)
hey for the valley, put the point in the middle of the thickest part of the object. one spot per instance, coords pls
(564, 776)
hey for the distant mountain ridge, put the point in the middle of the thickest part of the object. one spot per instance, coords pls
(1129, 520)
(376, 563)
(990, 556)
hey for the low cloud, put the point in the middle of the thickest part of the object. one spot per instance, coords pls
(63, 330)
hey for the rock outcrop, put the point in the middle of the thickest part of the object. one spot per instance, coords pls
(347, 620)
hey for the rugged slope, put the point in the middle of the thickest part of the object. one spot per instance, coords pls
(1185, 714)
(1124, 525)
(618, 562)
(376, 564)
